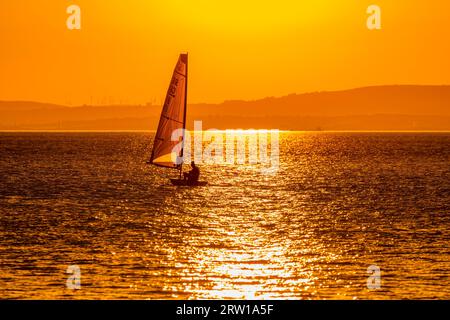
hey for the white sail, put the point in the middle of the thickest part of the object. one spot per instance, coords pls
(173, 117)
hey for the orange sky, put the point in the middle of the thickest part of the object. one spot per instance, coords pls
(126, 50)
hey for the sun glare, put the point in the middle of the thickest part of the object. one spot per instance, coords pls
(240, 16)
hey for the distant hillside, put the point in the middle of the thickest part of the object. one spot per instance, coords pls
(370, 108)
(27, 105)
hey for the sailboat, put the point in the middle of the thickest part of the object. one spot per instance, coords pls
(167, 153)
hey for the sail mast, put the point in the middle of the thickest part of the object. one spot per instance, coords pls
(184, 115)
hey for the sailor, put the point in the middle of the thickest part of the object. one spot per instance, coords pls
(193, 175)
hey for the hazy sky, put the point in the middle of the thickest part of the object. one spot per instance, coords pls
(126, 50)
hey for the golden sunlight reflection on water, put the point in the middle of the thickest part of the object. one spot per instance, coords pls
(339, 203)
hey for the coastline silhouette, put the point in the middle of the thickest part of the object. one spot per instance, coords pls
(401, 107)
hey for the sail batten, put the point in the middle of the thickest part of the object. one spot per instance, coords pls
(173, 117)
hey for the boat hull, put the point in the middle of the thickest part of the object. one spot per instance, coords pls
(180, 183)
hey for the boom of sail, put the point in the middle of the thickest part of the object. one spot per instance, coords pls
(168, 153)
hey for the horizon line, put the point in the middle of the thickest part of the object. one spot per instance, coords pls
(224, 130)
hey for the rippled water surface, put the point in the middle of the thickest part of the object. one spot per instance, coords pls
(339, 203)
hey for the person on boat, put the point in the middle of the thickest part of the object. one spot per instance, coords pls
(193, 175)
